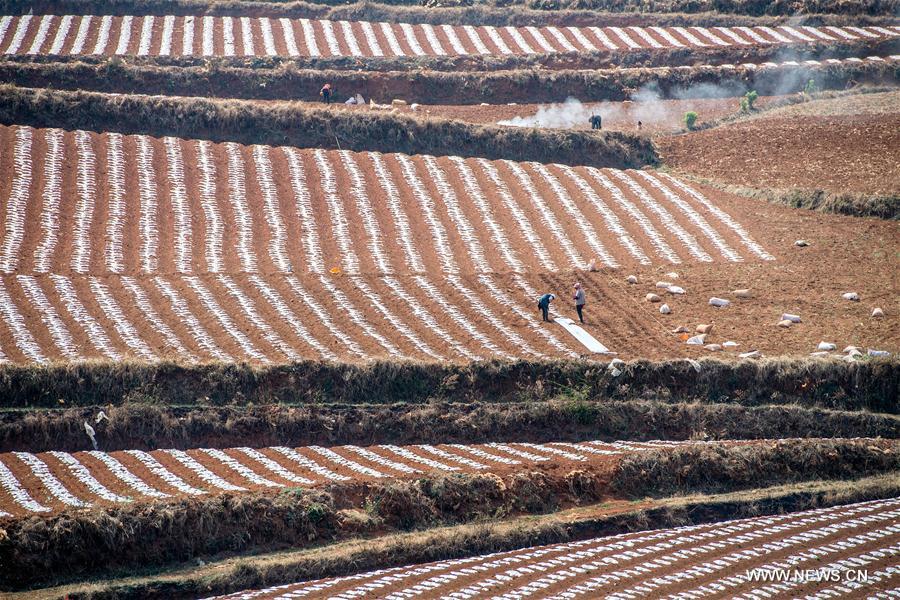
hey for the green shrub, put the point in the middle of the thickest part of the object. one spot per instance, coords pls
(690, 119)
(748, 101)
(811, 88)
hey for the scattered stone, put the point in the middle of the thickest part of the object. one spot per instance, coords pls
(751, 354)
(713, 347)
(674, 289)
(826, 346)
(704, 328)
(664, 309)
(791, 318)
(852, 296)
(879, 353)
(663, 285)
(632, 279)
(730, 344)
(697, 340)
(672, 275)
(719, 302)
(877, 313)
(801, 243)
(742, 294)
(653, 298)
(785, 323)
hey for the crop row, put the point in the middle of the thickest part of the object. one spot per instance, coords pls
(244, 36)
(41, 483)
(693, 562)
(194, 209)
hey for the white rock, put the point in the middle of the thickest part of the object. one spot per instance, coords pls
(730, 344)
(719, 302)
(852, 296)
(714, 347)
(697, 340)
(674, 289)
(704, 328)
(791, 318)
(664, 309)
(672, 275)
(826, 346)
(653, 298)
(632, 279)
(801, 243)
(742, 294)
(785, 323)
(751, 354)
(880, 353)
(663, 284)
(877, 313)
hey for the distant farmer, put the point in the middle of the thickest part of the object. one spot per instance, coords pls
(325, 92)
(578, 297)
(544, 304)
(596, 122)
(640, 125)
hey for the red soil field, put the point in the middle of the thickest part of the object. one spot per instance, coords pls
(196, 251)
(228, 36)
(812, 146)
(699, 561)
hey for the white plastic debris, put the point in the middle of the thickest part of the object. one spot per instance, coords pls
(631, 279)
(100, 416)
(751, 354)
(653, 298)
(850, 349)
(680, 329)
(697, 340)
(730, 344)
(663, 285)
(615, 363)
(852, 296)
(819, 353)
(694, 364)
(414, 106)
(791, 318)
(719, 302)
(826, 346)
(743, 294)
(878, 353)
(674, 289)
(664, 309)
(672, 275)
(714, 347)
(877, 313)
(801, 243)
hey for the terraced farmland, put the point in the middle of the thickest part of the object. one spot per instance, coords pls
(258, 344)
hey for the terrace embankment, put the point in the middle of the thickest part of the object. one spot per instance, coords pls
(146, 535)
(250, 123)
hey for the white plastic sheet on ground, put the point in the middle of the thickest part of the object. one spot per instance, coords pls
(589, 341)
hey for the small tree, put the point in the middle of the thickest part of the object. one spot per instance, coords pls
(690, 119)
(748, 101)
(811, 87)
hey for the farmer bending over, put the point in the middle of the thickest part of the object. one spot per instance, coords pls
(544, 304)
(325, 92)
(578, 297)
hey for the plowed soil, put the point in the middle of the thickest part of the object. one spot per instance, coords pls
(818, 146)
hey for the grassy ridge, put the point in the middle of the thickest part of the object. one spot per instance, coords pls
(249, 123)
(247, 80)
(145, 426)
(490, 12)
(86, 543)
(871, 385)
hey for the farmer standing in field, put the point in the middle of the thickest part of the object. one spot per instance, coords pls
(325, 92)
(578, 297)
(544, 304)
(596, 122)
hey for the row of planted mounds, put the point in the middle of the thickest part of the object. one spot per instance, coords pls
(496, 12)
(86, 543)
(355, 556)
(272, 68)
(252, 123)
(146, 426)
(871, 385)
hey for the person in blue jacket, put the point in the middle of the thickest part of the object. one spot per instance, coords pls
(544, 304)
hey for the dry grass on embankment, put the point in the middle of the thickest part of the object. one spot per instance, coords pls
(250, 123)
(495, 12)
(106, 540)
(869, 384)
(244, 79)
(359, 555)
(146, 427)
